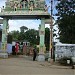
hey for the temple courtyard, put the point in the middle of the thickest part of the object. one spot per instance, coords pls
(23, 65)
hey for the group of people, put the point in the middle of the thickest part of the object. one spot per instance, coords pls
(16, 49)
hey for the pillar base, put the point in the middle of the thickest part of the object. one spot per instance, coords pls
(41, 57)
(51, 61)
(49, 58)
(3, 55)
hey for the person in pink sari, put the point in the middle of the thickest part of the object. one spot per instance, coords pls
(24, 49)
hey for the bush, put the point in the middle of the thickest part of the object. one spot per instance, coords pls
(63, 61)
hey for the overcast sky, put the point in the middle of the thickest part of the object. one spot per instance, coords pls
(16, 24)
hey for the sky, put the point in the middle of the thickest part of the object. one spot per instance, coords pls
(16, 24)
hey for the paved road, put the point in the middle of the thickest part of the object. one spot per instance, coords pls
(25, 66)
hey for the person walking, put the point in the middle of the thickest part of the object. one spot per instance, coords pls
(34, 54)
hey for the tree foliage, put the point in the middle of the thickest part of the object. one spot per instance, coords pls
(66, 20)
(32, 36)
(15, 34)
(47, 38)
(23, 28)
(9, 39)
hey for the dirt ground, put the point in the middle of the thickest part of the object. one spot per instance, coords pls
(25, 66)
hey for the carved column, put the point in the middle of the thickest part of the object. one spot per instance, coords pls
(4, 38)
(41, 56)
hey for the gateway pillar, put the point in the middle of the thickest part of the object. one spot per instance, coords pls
(41, 56)
(3, 52)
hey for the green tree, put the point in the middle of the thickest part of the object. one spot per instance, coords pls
(23, 28)
(9, 39)
(21, 36)
(32, 36)
(47, 38)
(66, 21)
(15, 35)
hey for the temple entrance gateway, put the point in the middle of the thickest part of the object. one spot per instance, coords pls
(25, 9)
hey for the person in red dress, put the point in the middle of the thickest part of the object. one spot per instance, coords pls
(16, 48)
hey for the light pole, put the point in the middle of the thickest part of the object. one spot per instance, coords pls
(51, 34)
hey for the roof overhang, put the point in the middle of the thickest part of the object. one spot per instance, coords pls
(25, 15)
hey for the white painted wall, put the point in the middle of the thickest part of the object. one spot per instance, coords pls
(64, 50)
(9, 48)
